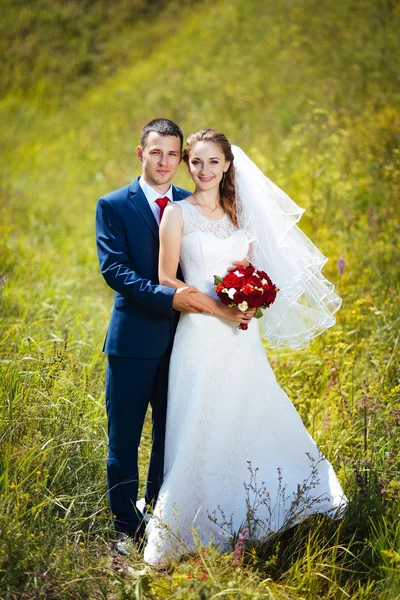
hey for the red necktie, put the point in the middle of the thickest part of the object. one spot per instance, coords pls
(162, 203)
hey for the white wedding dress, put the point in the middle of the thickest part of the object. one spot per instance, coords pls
(235, 445)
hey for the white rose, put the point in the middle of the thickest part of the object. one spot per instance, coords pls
(243, 306)
(231, 293)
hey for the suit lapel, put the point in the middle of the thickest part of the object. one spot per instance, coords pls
(176, 195)
(141, 203)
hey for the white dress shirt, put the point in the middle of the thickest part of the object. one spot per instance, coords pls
(152, 195)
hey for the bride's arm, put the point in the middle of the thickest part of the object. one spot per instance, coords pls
(171, 228)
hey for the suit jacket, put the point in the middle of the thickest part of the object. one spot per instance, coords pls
(143, 321)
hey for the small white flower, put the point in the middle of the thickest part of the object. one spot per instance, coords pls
(231, 293)
(264, 281)
(238, 274)
(243, 306)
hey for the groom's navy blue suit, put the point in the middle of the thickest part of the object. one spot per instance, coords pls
(138, 344)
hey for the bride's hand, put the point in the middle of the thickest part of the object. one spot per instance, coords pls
(238, 263)
(234, 314)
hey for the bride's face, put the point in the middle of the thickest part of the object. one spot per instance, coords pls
(207, 164)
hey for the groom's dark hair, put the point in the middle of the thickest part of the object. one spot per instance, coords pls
(163, 127)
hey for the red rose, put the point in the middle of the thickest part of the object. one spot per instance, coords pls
(241, 269)
(224, 298)
(232, 281)
(247, 289)
(238, 297)
(254, 280)
(269, 296)
(219, 288)
(248, 270)
(255, 299)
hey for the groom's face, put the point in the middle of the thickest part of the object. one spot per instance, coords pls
(160, 158)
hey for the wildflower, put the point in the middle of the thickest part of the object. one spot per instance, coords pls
(239, 547)
(341, 264)
(327, 419)
(360, 482)
(119, 566)
(43, 576)
(372, 218)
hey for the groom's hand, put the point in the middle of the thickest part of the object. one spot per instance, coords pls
(185, 301)
(239, 263)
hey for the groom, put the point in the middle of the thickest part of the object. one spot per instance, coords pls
(143, 321)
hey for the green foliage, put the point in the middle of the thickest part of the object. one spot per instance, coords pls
(56, 50)
(310, 89)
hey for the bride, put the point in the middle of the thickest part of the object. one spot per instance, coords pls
(237, 454)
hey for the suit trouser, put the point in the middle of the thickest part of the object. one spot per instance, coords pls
(131, 384)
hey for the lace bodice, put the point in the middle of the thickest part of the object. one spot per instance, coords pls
(194, 221)
(208, 247)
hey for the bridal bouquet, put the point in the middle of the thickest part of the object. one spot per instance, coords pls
(245, 288)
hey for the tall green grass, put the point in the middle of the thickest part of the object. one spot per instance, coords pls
(310, 90)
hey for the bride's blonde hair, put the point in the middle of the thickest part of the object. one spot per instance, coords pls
(227, 185)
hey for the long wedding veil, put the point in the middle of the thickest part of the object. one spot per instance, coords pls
(306, 302)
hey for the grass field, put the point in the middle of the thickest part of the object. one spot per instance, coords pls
(311, 91)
